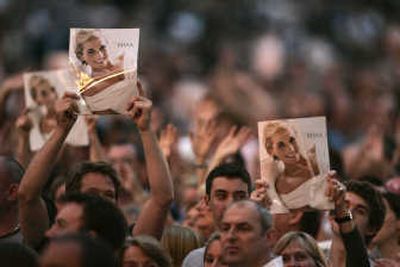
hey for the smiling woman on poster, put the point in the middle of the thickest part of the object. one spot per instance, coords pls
(291, 169)
(102, 81)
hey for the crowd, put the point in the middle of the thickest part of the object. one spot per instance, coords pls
(175, 180)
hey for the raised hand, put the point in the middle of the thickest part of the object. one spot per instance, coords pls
(139, 109)
(232, 142)
(202, 138)
(168, 139)
(260, 194)
(23, 122)
(66, 110)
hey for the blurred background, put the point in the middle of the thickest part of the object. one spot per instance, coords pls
(251, 60)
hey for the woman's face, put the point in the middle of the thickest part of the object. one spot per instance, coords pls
(294, 255)
(213, 257)
(45, 94)
(284, 147)
(135, 257)
(95, 54)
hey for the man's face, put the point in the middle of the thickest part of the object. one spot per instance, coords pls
(284, 147)
(123, 158)
(225, 191)
(61, 255)
(95, 54)
(360, 211)
(243, 242)
(68, 221)
(98, 184)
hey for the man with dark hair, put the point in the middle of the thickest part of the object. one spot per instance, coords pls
(244, 234)
(358, 216)
(11, 173)
(97, 178)
(386, 244)
(77, 250)
(90, 214)
(367, 207)
(225, 184)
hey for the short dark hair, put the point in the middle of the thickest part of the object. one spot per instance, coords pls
(230, 171)
(13, 169)
(102, 217)
(394, 202)
(74, 181)
(16, 254)
(374, 200)
(94, 253)
(310, 222)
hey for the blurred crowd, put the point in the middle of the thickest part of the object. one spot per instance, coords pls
(210, 70)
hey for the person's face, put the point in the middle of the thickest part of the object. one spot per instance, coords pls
(123, 160)
(225, 191)
(98, 184)
(68, 221)
(243, 242)
(204, 224)
(294, 255)
(45, 94)
(284, 147)
(213, 257)
(389, 227)
(61, 255)
(135, 257)
(360, 211)
(95, 53)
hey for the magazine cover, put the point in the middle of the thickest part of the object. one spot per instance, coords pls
(104, 63)
(294, 159)
(42, 89)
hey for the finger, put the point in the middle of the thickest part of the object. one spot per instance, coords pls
(232, 130)
(140, 89)
(130, 105)
(70, 95)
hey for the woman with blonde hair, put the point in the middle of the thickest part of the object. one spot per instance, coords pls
(97, 75)
(300, 249)
(179, 241)
(144, 251)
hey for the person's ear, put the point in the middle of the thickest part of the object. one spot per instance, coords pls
(12, 192)
(295, 217)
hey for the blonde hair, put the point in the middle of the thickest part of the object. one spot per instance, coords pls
(81, 38)
(179, 241)
(306, 242)
(34, 81)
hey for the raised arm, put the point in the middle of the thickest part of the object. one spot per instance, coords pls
(32, 209)
(96, 150)
(154, 212)
(348, 248)
(23, 126)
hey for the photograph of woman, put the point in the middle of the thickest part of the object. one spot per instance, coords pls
(105, 65)
(292, 167)
(42, 89)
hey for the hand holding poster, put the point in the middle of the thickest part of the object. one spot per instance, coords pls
(295, 161)
(105, 67)
(42, 89)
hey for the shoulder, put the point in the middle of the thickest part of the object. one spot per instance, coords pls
(194, 258)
